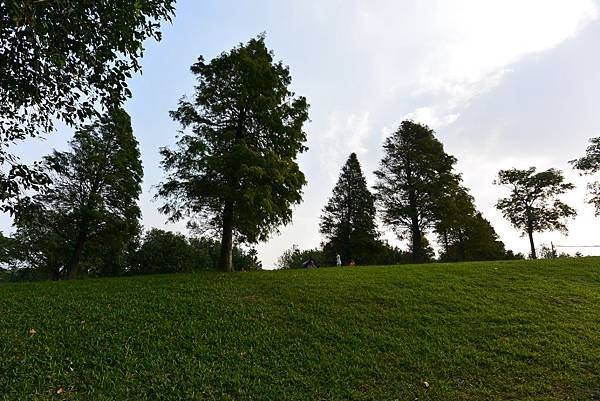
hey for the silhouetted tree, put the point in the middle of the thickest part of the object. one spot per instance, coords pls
(414, 177)
(590, 164)
(348, 219)
(63, 61)
(94, 192)
(463, 232)
(166, 252)
(474, 239)
(234, 167)
(533, 204)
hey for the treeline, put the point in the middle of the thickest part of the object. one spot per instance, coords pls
(233, 173)
(156, 252)
(417, 193)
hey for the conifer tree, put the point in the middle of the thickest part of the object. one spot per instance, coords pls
(348, 219)
(415, 177)
(234, 168)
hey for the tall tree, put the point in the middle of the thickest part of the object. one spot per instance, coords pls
(455, 209)
(473, 239)
(234, 167)
(60, 60)
(94, 191)
(348, 219)
(533, 204)
(414, 177)
(463, 232)
(590, 164)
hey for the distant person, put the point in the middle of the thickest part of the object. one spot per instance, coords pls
(338, 260)
(309, 263)
(352, 262)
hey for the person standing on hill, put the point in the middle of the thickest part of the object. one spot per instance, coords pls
(309, 263)
(338, 260)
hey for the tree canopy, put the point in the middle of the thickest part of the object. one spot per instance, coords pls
(233, 169)
(414, 177)
(533, 204)
(92, 201)
(348, 218)
(65, 60)
(590, 164)
(463, 231)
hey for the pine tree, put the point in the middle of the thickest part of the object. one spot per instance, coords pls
(234, 169)
(414, 179)
(463, 232)
(348, 219)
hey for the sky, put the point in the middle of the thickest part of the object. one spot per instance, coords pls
(503, 83)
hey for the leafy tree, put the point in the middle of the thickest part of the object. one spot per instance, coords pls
(234, 168)
(294, 257)
(208, 250)
(474, 239)
(38, 246)
(348, 219)
(463, 231)
(382, 254)
(415, 175)
(166, 252)
(533, 204)
(590, 164)
(93, 197)
(163, 252)
(454, 213)
(62, 59)
(386, 254)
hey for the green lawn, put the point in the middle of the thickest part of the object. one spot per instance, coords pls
(524, 330)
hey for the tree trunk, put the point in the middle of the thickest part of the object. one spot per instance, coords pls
(73, 266)
(417, 246)
(530, 233)
(226, 257)
(54, 273)
(416, 242)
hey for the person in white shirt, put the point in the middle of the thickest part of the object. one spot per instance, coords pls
(338, 260)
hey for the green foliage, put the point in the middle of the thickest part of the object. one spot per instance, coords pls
(414, 177)
(463, 232)
(533, 204)
(294, 258)
(348, 219)
(590, 164)
(62, 60)
(475, 239)
(525, 330)
(163, 252)
(166, 252)
(234, 167)
(381, 253)
(92, 202)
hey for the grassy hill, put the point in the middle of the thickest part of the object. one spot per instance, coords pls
(474, 331)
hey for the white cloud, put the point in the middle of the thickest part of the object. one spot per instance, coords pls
(345, 133)
(451, 51)
(428, 116)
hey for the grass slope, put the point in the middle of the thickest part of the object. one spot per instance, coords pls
(473, 331)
